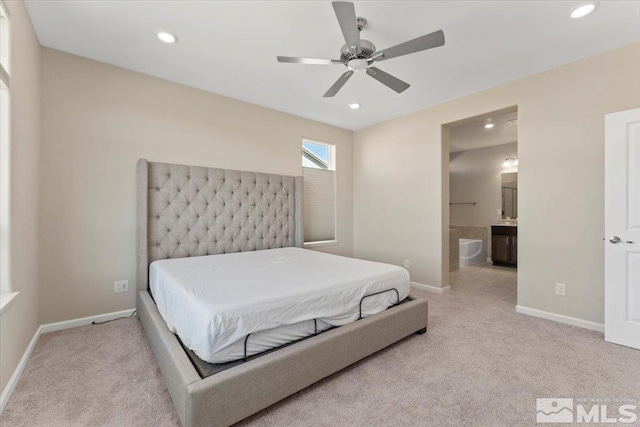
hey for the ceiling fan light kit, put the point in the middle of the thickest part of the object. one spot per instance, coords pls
(360, 55)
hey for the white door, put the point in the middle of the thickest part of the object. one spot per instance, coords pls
(622, 228)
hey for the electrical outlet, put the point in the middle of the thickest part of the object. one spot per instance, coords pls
(406, 263)
(560, 289)
(120, 286)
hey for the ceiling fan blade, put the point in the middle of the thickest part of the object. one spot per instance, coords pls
(338, 84)
(309, 61)
(429, 41)
(387, 79)
(346, 14)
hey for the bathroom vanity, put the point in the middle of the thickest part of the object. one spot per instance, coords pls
(504, 244)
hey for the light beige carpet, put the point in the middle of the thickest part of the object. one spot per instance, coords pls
(480, 364)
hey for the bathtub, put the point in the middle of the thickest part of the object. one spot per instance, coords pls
(470, 252)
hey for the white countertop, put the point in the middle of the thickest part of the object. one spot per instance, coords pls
(504, 225)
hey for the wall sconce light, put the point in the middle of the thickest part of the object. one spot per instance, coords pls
(510, 162)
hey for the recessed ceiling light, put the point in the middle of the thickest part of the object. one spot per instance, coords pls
(167, 37)
(583, 10)
(354, 106)
(489, 125)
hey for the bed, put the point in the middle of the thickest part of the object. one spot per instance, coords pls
(196, 224)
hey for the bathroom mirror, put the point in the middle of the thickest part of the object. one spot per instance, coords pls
(510, 195)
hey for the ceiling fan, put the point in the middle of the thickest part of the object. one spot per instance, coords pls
(360, 55)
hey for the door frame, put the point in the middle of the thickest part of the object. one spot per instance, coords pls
(446, 184)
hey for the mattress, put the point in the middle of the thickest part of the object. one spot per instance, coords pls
(272, 296)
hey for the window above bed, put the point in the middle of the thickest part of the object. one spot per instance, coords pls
(316, 155)
(318, 171)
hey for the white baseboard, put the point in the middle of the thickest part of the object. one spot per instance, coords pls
(13, 381)
(83, 321)
(599, 327)
(52, 327)
(430, 288)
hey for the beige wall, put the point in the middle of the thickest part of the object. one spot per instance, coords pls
(19, 321)
(97, 121)
(476, 176)
(400, 181)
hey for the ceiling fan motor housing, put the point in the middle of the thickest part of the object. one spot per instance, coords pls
(367, 49)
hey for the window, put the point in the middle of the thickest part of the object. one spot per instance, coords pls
(318, 171)
(4, 150)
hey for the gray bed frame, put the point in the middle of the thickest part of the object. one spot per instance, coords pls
(187, 211)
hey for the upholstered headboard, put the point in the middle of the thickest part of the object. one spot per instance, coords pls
(188, 211)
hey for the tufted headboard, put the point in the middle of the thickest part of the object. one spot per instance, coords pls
(188, 211)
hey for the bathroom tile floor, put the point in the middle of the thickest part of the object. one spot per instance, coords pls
(485, 283)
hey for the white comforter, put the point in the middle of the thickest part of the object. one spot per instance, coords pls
(213, 302)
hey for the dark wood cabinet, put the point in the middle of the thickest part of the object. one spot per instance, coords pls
(504, 245)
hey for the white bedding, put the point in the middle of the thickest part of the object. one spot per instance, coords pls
(213, 302)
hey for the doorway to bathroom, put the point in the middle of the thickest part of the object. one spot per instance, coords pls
(481, 213)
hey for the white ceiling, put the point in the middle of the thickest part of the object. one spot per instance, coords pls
(472, 134)
(229, 47)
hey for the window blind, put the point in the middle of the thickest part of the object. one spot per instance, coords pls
(319, 204)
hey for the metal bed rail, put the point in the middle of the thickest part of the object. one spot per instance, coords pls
(315, 321)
